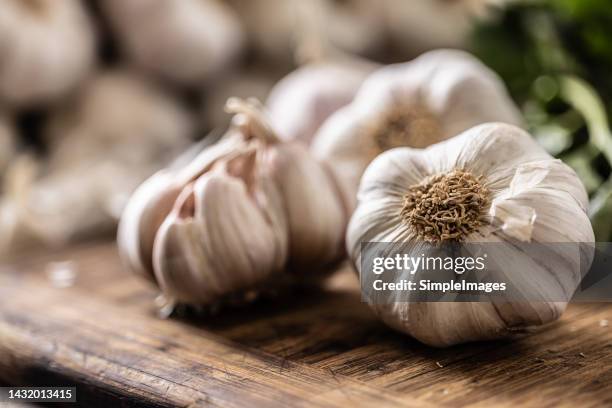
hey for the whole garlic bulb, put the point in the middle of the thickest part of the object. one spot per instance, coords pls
(506, 189)
(119, 116)
(47, 47)
(301, 101)
(431, 24)
(231, 220)
(117, 132)
(186, 41)
(415, 104)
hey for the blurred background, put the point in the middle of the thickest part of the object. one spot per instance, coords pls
(96, 95)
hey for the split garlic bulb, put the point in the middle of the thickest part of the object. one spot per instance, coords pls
(417, 103)
(228, 223)
(117, 132)
(47, 47)
(186, 41)
(301, 101)
(491, 184)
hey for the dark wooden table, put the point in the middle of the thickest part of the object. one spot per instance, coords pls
(312, 348)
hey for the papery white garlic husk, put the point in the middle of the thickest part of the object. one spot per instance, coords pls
(227, 224)
(417, 103)
(187, 41)
(431, 24)
(534, 198)
(117, 132)
(301, 102)
(47, 47)
(8, 145)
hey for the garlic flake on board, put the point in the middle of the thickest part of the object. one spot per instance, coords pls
(301, 101)
(505, 189)
(118, 131)
(417, 103)
(186, 41)
(227, 224)
(47, 48)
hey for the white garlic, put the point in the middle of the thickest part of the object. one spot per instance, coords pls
(512, 191)
(229, 222)
(277, 29)
(431, 24)
(117, 132)
(417, 103)
(301, 101)
(187, 41)
(48, 48)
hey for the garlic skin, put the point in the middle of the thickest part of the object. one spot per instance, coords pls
(48, 48)
(301, 102)
(186, 41)
(532, 197)
(116, 132)
(228, 223)
(415, 104)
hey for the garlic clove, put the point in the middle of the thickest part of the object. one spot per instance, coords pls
(145, 212)
(187, 41)
(221, 223)
(315, 212)
(48, 48)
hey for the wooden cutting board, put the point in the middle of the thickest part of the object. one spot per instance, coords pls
(312, 348)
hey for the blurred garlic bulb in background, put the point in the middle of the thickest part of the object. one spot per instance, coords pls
(186, 41)
(277, 28)
(301, 101)
(7, 145)
(230, 221)
(417, 103)
(423, 25)
(47, 48)
(507, 189)
(118, 131)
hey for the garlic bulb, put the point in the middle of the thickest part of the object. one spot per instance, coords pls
(417, 103)
(7, 145)
(430, 24)
(186, 41)
(229, 222)
(122, 117)
(47, 47)
(117, 132)
(278, 28)
(300, 102)
(503, 188)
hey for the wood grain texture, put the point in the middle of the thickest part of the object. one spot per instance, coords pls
(310, 348)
